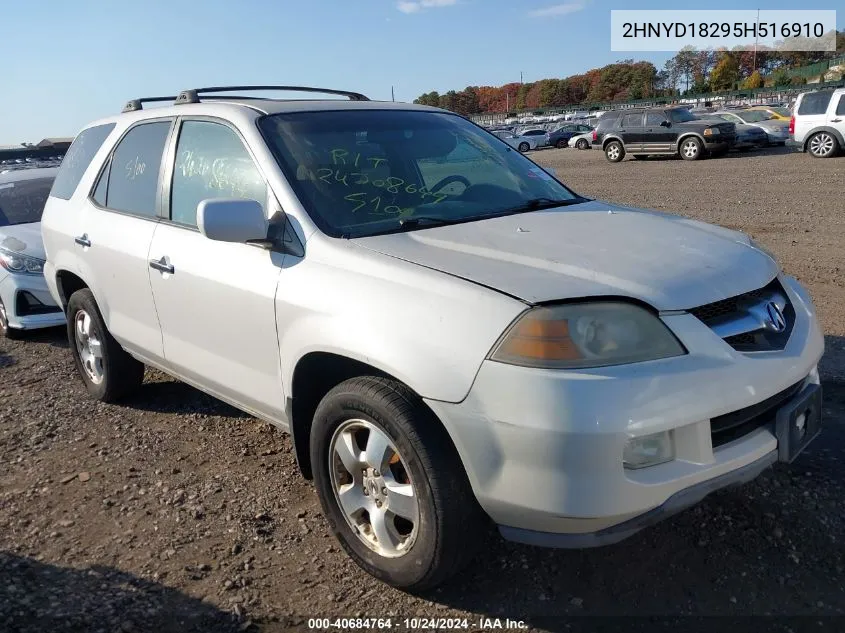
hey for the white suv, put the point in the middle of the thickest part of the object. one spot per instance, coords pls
(453, 338)
(818, 122)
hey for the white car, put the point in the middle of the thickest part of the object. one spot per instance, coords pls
(25, 301)
(454, 339)
(581, 141)
(521, 143)
(818, 122)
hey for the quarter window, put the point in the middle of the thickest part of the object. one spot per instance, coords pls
(78, 158)
(840, 107)
(132, 174)
(211, 162)
(815, 103)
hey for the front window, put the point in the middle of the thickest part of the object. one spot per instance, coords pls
(680, 115)
(22, 201)
(365, 172)
(754, 116)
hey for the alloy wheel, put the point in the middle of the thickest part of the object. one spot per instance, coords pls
(89, 347)
(690, 149)
(373, 488)
(821, 144)
(613, 152)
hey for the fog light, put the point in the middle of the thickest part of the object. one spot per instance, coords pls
(649, 450)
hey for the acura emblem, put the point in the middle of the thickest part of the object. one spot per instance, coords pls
(777, 322)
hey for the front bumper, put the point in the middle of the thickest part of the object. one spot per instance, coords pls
(543, 448)
(11, 287)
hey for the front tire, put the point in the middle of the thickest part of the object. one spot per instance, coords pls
(822, 145)
(561, 144)
(391, 484)
(614, 152)
(9, 332)
(524, 147)
(691, 148)
(108, 371)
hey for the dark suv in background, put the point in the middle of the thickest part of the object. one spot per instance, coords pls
(666, 131)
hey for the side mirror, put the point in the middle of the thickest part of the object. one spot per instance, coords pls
(665, 124)
(232, 220)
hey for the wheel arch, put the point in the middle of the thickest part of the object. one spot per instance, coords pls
(67, 283)
(314, 375)
(685, 136)
(823, 128)
(608, 139)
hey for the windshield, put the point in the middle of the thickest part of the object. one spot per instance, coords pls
(362, 172)
(22, 201)
(754, 116)
(680, 115)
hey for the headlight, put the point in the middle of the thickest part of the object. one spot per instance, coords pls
(649, 450)
(21, 264)
(711, 131)
(755, 244)
(586, 335)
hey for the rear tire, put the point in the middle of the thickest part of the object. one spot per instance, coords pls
(561, 144)
(614, 151)
(108, 371)
(374, 434)
(581, 143)
(690, 148)
(822, 145)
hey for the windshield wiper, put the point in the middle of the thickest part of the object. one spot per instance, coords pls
(538, 204)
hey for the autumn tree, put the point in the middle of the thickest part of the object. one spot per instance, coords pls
(753, 81)
(726, 73)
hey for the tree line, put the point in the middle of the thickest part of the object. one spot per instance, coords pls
(690, 71)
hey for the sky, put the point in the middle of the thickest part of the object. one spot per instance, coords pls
(68, 62)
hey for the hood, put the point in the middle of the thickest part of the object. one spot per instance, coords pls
(23, 238)
(590, 249)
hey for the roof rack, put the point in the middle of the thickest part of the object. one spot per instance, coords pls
(193, 95)
(138, 104)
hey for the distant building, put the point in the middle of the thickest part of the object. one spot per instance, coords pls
(46, 148)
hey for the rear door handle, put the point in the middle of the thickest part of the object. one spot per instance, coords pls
(82, 240)
(835, 120)
(161, 265)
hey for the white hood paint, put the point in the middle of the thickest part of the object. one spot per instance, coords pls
(24, 239)
(590, 249)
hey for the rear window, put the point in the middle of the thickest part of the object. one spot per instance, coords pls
(78, 158)
(22, 202)
(815, 103)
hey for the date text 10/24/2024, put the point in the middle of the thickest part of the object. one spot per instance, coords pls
(350, 169)
(416, 623)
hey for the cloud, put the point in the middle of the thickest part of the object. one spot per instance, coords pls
(415, 6)
(557, 10)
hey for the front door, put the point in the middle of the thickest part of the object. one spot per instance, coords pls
(216, 300)
(658, 137)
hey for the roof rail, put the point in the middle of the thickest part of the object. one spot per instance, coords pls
(138, 104)
(193, 95)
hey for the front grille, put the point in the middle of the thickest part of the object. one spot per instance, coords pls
(27, 304)
(734, 309)
(732, 426)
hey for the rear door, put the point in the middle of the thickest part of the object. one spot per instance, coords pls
(118, 224)
(216, 300)
(812, 113)
(631, 131)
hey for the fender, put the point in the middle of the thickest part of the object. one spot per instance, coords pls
(687, 135)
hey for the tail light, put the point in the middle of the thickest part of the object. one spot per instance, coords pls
(792, 124)
(595, 135)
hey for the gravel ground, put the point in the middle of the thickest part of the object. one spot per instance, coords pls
(175, 512)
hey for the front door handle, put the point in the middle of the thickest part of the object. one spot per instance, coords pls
(835, 120)
(161, 265)
(82, 240)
